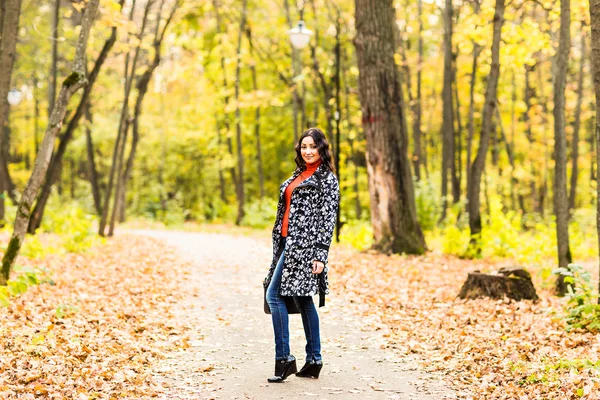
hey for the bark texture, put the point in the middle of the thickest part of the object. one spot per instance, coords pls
(447, 108)
(595, 57)
(393, 214)
(561, 204)
(513, 283)
(11, 10)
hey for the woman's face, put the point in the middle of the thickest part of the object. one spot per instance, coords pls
(308, 150)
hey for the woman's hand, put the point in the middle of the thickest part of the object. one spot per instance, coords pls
(317, 267)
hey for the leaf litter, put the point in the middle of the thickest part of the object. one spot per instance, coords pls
(487, 349)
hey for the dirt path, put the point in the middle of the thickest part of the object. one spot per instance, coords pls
(231, 349)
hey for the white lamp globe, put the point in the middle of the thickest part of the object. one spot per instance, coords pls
(14, 97)
(300, 35)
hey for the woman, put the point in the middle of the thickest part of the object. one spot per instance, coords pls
(306, 215)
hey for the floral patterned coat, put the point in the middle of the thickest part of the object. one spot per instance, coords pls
(313, 211)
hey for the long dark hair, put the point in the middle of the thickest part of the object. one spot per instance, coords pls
(322, 145)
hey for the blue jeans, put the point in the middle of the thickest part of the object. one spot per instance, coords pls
(279, 314)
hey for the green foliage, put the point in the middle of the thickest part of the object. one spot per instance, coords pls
(359, 234)
(218, 211)
(582, 309)
(501, 234)
(428, 203)
(72, 224)
(576, 364)
(34, 248)
(25, 278)
(260, 213)
(526, 239)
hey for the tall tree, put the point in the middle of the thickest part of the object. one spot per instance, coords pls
(577, 123)
(488, 114)
(448, 164)
(295, 61)
(54, 60)
(471, 118)
(221, 32)
(75, 81)
(91, 161)
(238, 117)
(417, 110)
(259, 162)
(561, 204)
(338, 110)
(393, 212)
(119, 146)
(11, 10)
(595, 57)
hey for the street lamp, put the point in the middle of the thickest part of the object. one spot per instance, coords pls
(300, 35)
(14, 97)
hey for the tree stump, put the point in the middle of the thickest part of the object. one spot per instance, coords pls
(514, 283)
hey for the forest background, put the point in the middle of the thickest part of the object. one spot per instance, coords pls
(190, 150)
(189, 119)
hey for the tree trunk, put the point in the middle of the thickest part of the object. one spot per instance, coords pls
(115, 169)
(295, 61)
(543, 100)
(357, 206)
(487, 116)
(595, 57)
(514, 283)
(219, 161)
(91, 162)
(471, 118)
(353, 153)
(338, 113)
(577, 124)
(36, 115)
(417, 101)
(142, 89)
(393, 211)
(529, 94)
(8, 42)
(53, 63)
(447, 109)
(74, 82)
(457, 139)
(53, 171)
(259, 163)
(238, 118)
(561, 205)
(225, 87)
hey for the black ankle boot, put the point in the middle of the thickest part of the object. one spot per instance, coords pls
(283, 369)
(310, 370)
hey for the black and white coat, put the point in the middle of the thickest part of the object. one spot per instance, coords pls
(313, 211)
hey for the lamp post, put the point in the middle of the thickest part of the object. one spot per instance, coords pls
(300, 37)
(14, 97)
